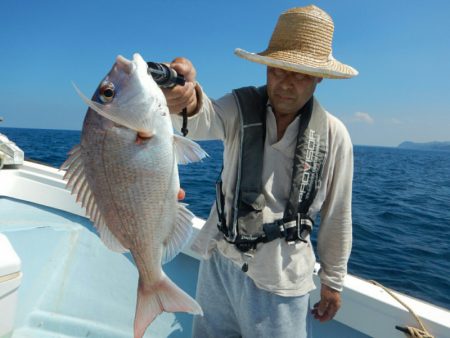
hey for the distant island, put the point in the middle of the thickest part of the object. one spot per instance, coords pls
(445, 146)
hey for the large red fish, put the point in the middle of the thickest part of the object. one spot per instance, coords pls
(130, 188)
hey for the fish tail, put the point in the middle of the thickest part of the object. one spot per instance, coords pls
(165, 296)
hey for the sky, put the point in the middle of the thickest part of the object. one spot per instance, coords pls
(400, 48)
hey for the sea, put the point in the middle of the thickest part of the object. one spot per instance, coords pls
(401, 208)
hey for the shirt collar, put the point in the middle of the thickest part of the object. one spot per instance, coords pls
(289, 138)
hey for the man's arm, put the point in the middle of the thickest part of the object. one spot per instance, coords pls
(208, 119)
(335, 230)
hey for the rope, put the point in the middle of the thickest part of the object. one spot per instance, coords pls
(409, 331)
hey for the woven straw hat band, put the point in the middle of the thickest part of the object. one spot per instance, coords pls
(301, 32)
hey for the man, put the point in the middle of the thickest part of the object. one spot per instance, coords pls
(285, 160)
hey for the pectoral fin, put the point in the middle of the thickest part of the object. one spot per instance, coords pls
(187, 151)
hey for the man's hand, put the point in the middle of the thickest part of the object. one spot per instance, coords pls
(180, 97)
(330, 302)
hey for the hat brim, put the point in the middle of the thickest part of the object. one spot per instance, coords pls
(332, 69)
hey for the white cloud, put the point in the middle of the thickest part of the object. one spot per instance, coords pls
(363, 118)
(395, 121)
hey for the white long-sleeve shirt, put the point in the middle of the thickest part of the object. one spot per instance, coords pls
(276, 266)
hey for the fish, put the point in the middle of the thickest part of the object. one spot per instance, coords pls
(128, 185)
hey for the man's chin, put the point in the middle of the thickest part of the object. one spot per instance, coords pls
(282, 109)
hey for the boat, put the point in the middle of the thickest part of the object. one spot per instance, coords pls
(57, 279)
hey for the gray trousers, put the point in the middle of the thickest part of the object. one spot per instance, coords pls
(234, 307)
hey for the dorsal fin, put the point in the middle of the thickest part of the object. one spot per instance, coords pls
(79, 186)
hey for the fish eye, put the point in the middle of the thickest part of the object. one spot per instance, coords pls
(106, 92)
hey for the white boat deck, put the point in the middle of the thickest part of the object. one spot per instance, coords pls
(73, 286)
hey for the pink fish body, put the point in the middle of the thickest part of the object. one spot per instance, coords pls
(130, 189)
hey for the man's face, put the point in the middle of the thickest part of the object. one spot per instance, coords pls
(289, 91)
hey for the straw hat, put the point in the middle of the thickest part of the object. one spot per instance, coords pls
(301, 42)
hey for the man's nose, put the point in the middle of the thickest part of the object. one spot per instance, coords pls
(286, 82)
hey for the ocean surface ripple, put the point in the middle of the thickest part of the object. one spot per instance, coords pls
(401, 208)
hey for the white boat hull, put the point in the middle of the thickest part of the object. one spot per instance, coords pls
(73, 285)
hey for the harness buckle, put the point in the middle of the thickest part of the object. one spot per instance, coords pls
(305, 226)
(290, 232)
(298, 230)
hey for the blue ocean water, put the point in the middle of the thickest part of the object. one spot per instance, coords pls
(401, 208)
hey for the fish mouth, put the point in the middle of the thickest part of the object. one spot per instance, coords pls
(125, 65)
(130, 66)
